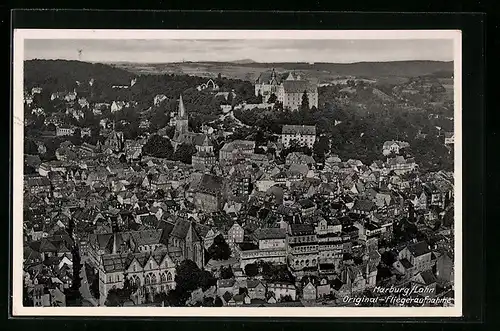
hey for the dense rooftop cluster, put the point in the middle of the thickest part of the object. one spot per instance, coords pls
(208, 218)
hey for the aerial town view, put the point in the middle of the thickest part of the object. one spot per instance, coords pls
(206, 173)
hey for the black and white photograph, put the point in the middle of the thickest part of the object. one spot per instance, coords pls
(237, 173)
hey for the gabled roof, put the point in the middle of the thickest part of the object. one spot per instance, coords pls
(253, 283)
(227, 296)
(180, 229)
(270, 233)
(301, 229)
(223, 283)
(299, 129)
(419, 248)
(364, 205)
(148, 237)
(428, 277)
(299, 86)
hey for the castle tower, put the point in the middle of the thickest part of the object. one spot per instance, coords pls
(181, 122)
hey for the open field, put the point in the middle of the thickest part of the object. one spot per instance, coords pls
(382, 72)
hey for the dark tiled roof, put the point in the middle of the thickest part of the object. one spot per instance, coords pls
(253, 283)
(301, 229)
(210, 184)
(223, 283)
(406, 264)
(149, 237)
(227, 296)
(298, 86)
(180, 229)
(306, 203)
(419, 248)
(270, 233)
(364, 205)
(428, 277)
(299, 129)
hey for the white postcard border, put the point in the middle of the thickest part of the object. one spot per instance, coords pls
(18, 164)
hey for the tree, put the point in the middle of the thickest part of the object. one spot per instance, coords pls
(160, 297)
(272, 98)
(321, 147)
(27, 299)
(175, 298)
(118, 296)
(159, 119)
(207, 280)
(218, 302)
(51, 127)
(226, 272)
(188, 276)
(286, 298)
(184, 153)
(30, 147)
(208, 302)
(230, 99)
(305, 102)
(251, 270)
(113, 298)
(158, 146)
(219, 250)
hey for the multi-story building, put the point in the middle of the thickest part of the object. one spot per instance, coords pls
(237, 150)
(267, 85)
(147, 258)
(140, 256)
(207, 193)
(288, 91)
(292, 91)
(307, 207)
(303, 250)
(282, 289)
(414, 258)
(330, 242)
(65, 131)
(392, 146)
(254, 254)
(236, 233)
(304, 135)
(270, 238)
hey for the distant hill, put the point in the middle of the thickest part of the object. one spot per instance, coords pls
(63, 74)
(391, 72)
(244, 61)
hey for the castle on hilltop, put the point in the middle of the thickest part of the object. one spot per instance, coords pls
(288, 90)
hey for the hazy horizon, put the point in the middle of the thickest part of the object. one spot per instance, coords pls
(231, 50)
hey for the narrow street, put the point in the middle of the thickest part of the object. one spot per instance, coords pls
(84, 288)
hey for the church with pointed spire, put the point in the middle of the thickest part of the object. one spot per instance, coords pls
(181, 121)
(204, 157)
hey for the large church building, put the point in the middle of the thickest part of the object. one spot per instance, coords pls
(288, 89)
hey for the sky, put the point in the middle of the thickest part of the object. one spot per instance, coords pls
(268, 51)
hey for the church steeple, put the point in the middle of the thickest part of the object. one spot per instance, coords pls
(181, 120)
(182, 110)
